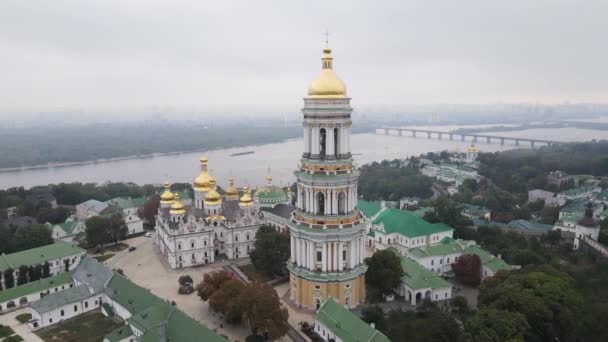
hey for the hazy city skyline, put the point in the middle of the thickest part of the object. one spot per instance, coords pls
(117, 54)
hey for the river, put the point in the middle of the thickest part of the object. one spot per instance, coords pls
(250, 169)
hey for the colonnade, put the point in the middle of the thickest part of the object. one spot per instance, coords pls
(335, 202)
(333, 146)
(331, 256)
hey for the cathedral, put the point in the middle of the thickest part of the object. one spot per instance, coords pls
(327, 229)
(213, 226)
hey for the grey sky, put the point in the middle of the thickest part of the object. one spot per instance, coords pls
(127, 54)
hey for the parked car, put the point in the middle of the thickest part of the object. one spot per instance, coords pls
(131, 249)
(148, 234)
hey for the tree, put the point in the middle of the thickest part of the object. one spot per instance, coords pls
(493, 325)
(271, 250)
(446, 211)
(263, 311)
(22, 277)
(211, 283)
(97, 231)
(226, 300)
(6, 238)
(9, 278)
(46, 270)
(31, 236)
(374, 314)
(150, 209)
(547, 298)
(384, 271)
(432, 325)
(118, 229)
(459, 304)
(468, 269)
(35, 272)
(53, 216)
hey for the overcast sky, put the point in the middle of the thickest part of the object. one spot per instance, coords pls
(128, 54)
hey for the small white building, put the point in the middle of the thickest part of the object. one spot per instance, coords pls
(278, 216)
(419, 284)
(130, 212)
(68, 230)
(587, 227)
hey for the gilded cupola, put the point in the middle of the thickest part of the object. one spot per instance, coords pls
(246, 200)
(202, 182)
(231, 192)
(327, 84)
(177, 208)
(167, 197)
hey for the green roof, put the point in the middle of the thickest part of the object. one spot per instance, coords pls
(159, 320)
(420, 212)
(119, 334)
(35, 286)
(408, 224)
(127, 202)
(270, 193)
(67, 226)
(345, 325)
(417, 277)
(369, 209)
(446, 246)
(487, 259)
(39, 255)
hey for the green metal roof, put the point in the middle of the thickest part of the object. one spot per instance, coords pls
(127, 202)
(272, 193)
(345, 325)
(369, 209)
(119, 334)
(39, 255)
(159, 320)
(417, 277)
(408, 224)
(445, 247)
(487, 259)
(41, 285)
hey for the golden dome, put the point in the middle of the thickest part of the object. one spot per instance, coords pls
(203, 181)
(269, 179)
(212, 182)
(327, 85)
(177, 208)
(212, 197)
(232, 193)
(246, 200)
(167, 196)
(472, 148)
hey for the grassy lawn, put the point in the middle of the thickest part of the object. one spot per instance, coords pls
(90, 327)
(23, 318)
(5, 331)
(14, 338)
(104, 257)
(253, 274)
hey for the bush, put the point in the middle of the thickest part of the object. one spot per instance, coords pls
(6, 331)
(14, 338)
(24, 318)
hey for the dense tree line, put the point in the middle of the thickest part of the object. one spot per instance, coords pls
(391, 180)
(526, 169)
(271, 250)
(42, 145)
(15, 239)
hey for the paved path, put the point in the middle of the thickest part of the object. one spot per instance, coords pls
(20, 329)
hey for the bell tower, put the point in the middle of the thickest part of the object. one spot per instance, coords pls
(327, 230)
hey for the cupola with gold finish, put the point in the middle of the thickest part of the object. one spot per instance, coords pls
(232, 193)
(202, 182)
(177, 208)
(246, 200)
(327, 84)
(167, 197)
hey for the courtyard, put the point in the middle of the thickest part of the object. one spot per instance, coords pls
(90, 327)
(146, 268)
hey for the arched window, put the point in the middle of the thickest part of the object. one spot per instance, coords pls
(336, 142)
(341, 203)
(320, 203)
(322, 142)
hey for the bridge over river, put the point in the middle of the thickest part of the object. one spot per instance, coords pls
(415, 132)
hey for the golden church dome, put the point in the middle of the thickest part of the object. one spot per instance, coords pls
(472, 149)
(246, 200)
(202, 182)
(231, 192)
(327, 84)
(212, 197)
(177, 208)
(167, 196)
